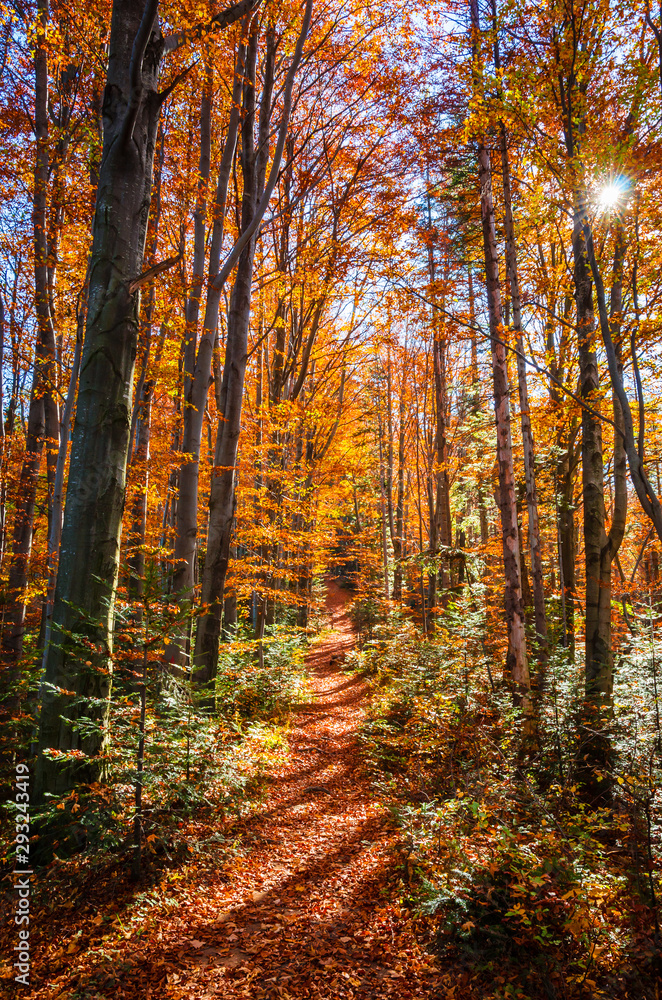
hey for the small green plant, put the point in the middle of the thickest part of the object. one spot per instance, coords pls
(252, 690)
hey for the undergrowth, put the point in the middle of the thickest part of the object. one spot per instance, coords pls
(198, 764)
(535, 889)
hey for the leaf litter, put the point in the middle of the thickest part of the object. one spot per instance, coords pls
(304, 909)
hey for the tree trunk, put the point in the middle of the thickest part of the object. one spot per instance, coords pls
(599, 660)
(89, 555)
(55, 530)
(398, 537)
(525, 414)
(198, 363)
(43, 420)
(222, 499)
(383, 513)
(516, 663)
(565, 478)
(141, 418)
(600, 547)
(440, 512)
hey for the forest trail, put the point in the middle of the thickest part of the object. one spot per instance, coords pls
(300, 910)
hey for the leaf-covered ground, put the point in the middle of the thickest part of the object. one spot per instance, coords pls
(301, 905)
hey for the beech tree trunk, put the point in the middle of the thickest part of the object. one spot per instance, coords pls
(439, 493)
(55, 529)
(567, 461)
(87, 573)
(525, 414)
(398, 533)
(198, 362)
(383, 509)
(442, 493)
(516, 662)
(222, 499)
(43, 417)
(141, 418)
(565, 479)
(600, 546)
(594, 752)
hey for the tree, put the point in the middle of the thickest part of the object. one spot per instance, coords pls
(516, 663)
(89, 556)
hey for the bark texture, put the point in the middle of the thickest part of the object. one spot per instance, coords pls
(222, 499)
(198, 357)
(525, 414)
(516, 664)
(89, 555)
(601, 546)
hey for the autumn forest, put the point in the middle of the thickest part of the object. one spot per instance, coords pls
(330, 499)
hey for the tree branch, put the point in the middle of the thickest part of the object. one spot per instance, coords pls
(529, 361)
(247, 235)
(151, 272)
(647, 496)
(221, 20)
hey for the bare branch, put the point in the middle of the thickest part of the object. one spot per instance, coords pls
(247, 235)
(152, 272)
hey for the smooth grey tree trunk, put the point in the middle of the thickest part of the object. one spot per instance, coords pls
(222, 499)
(517, 666)
(89, 554)
(43, 418)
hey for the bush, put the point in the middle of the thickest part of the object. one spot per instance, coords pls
(505, 858)
(253, 691)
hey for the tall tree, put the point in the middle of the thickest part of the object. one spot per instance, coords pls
(43, 417)
(256, 196)
(75, 694)
(517, 663)
(525, 413)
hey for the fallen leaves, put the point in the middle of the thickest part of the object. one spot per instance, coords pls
(287, 903)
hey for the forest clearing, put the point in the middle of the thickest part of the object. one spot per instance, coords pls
(330, 499)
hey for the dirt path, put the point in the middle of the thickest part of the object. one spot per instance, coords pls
(303, 911)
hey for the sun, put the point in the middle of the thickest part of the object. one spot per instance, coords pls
(610, 195)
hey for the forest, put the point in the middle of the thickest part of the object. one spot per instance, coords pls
(330, 499)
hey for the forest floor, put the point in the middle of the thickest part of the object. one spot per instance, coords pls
(304, 905)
